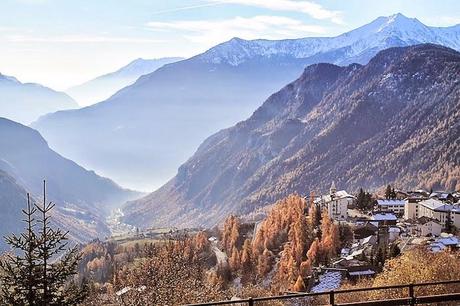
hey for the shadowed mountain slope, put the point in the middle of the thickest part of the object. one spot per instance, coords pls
(144, 132)
(394, 120)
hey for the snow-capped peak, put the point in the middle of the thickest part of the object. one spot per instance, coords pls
(9, 78)
(383, 32)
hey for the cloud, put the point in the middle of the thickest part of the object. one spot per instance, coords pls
(211, 32)
(78, 39)
(310, 8)
(185, 8)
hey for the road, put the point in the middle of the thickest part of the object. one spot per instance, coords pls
(222, 258)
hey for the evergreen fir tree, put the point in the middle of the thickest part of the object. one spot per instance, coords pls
(39, 270)
(360, 199)
(19, 272)
(388, 192)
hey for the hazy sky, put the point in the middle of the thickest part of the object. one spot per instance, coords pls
(60, 43)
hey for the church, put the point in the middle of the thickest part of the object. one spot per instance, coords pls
(336, 203)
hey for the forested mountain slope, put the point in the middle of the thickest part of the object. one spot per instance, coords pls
(394, 120)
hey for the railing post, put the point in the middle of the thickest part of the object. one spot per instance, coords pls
(331, 298)
(411, 294)
(250, 302)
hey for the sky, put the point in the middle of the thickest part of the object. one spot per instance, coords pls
(61, 43)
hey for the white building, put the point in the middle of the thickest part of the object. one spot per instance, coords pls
(411, 208)
(425, 226)
(434, 209)
(384, 219)
(395, 206)
(455, 216)
(336, 203)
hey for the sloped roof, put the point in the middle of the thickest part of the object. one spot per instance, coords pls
(436, 205)
(384, 217)
(443, 242)
(341, 194)
(386, 202)
(369, 239)
(328, 281)
(440, 194)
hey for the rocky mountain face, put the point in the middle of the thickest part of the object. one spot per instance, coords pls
(393, 120)
(144, 132)
(102, 87)
(25, 102)
(83, 198)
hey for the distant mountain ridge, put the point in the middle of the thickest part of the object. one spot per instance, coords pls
(83, 198)
(102, 87)
(394, 120)
(154, 125)
(356, 46)
(25, 102)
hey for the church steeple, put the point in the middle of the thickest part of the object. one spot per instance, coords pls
(333, 189)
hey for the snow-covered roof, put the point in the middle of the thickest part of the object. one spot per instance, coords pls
(354, 254)
(341, 194)
(394, 229)
(387, 202)
(440, 194)
(384, 217)
(447, 241)
(436, 247)
(436, 205)
(442, 242)
(368, 239)
(345, 252)
(328, 281)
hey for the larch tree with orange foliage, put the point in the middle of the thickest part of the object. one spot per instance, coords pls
(299, 285)
(247, 261)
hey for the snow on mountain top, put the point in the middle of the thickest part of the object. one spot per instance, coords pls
(8, 78)
(383, 32)
(141, 66)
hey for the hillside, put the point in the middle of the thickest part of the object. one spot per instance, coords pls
(394, 120)
(144, 132)
(83, 198)
(13, 198)
(25, 102)
(102, 87)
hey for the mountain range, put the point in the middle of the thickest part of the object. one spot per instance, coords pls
(140, 135)
(83, 198)
(102, 87)
(394, 120)
(25, 102)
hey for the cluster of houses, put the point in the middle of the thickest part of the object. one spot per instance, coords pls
(412, 218)
(421, 212)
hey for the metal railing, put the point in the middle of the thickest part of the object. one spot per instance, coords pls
(411, 299)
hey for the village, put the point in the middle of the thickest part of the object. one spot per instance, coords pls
(382, 226)
(391, 224)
